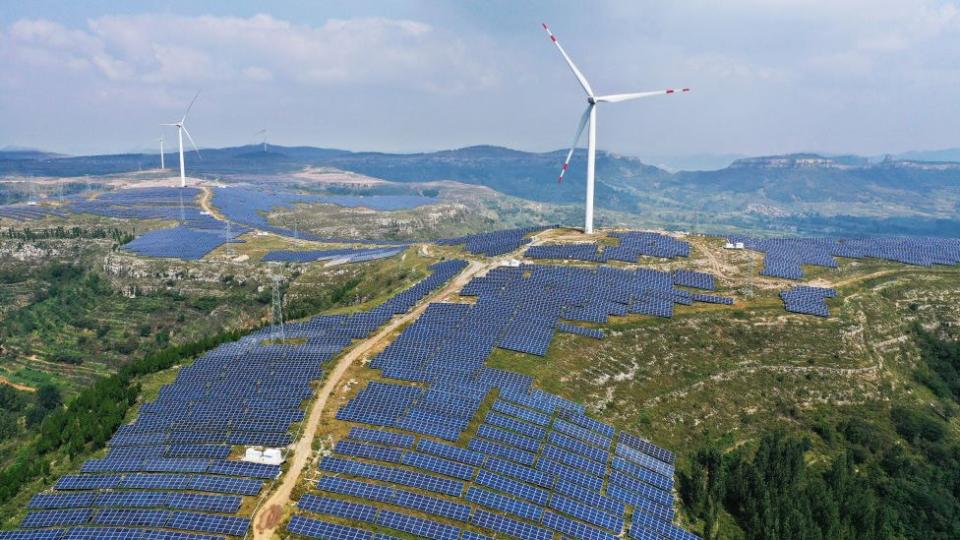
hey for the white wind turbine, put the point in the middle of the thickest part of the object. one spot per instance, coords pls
(162, 164)
(181, 129)
(591, 115)
(264, 133)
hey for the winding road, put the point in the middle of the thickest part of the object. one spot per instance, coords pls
(268, 516)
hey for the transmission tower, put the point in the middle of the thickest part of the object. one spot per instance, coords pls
(227, 239)
(183, 218)
(277, 333)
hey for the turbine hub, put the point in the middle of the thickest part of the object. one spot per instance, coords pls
(591, 100)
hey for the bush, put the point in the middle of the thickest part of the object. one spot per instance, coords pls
(912, 424)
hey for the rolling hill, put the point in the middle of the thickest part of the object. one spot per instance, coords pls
(806, 193)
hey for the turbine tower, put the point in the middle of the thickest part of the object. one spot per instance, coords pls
(590, 116)
(162, 164)
(264, 133)
(181, 129)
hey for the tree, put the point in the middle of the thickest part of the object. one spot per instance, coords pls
(8, 425)
(48, 397)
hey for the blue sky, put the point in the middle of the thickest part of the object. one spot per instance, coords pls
(768, 76)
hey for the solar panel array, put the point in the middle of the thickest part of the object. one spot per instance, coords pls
(807, 300)
(181, 242)
(520, 308)
(630, 247)
(169, 469)
(29, 212)
(494, 243)
(535, 466)
(426, 458)
(249, 206)
(784, 256)
(198, 232)
(349, 255)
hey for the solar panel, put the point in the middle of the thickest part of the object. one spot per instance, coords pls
(503, 484)
(573, 528)
(192, 521)
(520, 472)
(438, 465)
(422, 528)
(314, 528)
(56, 518)
(504, 503)
(336, 507)
(511, 527)
(586, 513)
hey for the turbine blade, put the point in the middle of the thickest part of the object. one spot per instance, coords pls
(617, 98)
(573, 67)
(576, 139)
(195, 149)
(182, 120)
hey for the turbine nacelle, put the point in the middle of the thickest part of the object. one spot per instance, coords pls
(589, 117)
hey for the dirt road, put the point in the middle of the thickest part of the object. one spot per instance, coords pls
(11, 384)
(267, 517)
(206, 197)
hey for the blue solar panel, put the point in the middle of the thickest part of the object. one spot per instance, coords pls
(519, 472)
(523, 428)
(56, 518)
(511, 527)
(191, 521)
(510, 438)
(432, 505)
(336, 507)
(130, 517)
(573, 528)
(503, 484)
(438, 465)
(505, 504)
(51, 501)
(367, 451)
(568, 443)
(422, 528)
(522, 413)
(587, 513)
(323, 530)
(387, 438)
(390, 474)
(654, 479)
(591, 498)
(45, 534)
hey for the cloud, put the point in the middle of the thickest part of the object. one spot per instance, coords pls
(194, 50)
(768, 76)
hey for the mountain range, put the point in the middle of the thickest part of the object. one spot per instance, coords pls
(802, 192)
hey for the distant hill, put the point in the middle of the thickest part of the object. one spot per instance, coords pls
(947, 154)
(794, 192)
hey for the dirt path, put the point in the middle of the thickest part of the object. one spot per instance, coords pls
(206, 197)
(268, 515)
(855, 279)
(22, 387)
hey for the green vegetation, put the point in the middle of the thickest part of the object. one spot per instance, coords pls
(119, 236)
(68, 324)
(852, 475)
(91, 417)
(789, 426)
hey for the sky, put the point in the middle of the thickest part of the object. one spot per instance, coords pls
(767, 76)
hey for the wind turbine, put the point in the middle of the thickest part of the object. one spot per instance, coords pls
(264, 133)
(162, 165)
(181, 129)
(590, 116)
